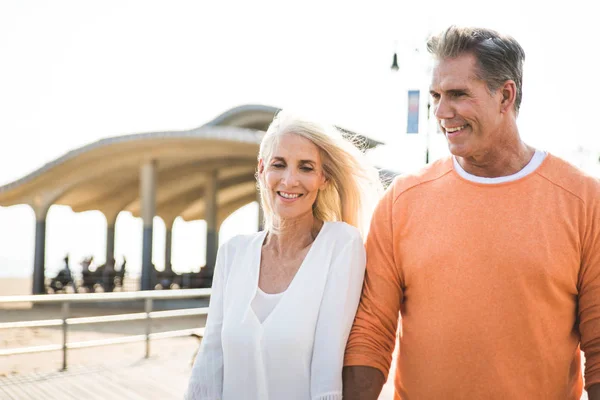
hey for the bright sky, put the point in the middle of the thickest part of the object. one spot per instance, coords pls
(73, 72)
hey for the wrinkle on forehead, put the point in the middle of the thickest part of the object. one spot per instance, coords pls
(293, 146)
(449, 73)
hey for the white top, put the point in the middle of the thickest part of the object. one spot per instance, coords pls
(297, 353)
(264, 303)
(532, 165)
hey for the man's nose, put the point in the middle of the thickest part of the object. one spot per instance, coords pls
(443, 110)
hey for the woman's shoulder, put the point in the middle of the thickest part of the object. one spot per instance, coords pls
(345, 245)
(343, 232)
(241, 241)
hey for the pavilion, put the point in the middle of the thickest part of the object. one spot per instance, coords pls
(204, 173)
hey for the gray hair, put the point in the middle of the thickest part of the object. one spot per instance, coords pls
(500, 57)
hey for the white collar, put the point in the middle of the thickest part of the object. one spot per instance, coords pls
(534, 163)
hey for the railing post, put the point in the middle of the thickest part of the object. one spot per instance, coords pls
(65, 315)
(148, 308)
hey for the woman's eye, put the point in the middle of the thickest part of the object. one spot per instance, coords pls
(278, 165)
(306, 169)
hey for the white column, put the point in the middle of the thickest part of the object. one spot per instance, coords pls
(39, 261)
(210, 213)
(148, 210)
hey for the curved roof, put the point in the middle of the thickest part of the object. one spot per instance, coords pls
(105, 175)
(258, 117)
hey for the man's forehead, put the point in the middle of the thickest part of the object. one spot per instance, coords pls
(450, 73)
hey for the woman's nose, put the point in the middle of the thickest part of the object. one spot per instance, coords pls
(289, 177)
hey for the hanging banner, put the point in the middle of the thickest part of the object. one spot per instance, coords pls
(412, 125)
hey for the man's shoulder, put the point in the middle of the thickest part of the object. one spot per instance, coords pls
(570, 178)
(429, 173)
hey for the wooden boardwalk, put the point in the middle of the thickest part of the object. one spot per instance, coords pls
(156, 378)
(159, 377)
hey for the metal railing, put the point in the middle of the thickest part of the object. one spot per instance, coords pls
(67, 299)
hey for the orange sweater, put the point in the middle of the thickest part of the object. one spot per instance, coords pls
(497, 285)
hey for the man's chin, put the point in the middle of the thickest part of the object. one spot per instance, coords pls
(458, 150)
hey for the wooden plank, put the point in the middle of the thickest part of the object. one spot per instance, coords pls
(138, 378)
(96, 387)
(17, 391)
(38, 389)
(134, 389)
(10, 392)
(85, 386)
(4, 394)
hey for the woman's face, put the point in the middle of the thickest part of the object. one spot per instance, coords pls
(293, 176)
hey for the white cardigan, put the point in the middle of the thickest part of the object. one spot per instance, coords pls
(298, 351)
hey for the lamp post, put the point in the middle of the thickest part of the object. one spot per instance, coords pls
(395, 66)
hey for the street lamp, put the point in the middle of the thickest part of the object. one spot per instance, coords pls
(395, 66)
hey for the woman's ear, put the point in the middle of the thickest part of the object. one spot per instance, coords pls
(261, 166)
(324, 184)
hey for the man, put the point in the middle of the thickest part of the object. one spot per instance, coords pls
(491, 257)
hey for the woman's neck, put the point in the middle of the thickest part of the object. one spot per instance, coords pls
(293, 234)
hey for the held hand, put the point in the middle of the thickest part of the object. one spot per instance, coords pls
(362, 383)
(594, 392)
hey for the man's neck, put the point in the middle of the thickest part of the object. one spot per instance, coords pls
(498, 162)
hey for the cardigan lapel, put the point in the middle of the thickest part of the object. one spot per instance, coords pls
(298, 279)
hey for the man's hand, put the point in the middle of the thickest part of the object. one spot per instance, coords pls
(363, 383)
(594, 392)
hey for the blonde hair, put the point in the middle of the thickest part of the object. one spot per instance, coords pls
(353, 185)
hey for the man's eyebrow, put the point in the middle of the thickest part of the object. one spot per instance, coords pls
(455, 91)
(449, 91)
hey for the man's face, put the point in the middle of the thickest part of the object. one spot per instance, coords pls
(468, 114)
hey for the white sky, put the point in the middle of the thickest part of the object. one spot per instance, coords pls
(73, 72)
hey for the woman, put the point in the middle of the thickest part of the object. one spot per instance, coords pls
(283, 300)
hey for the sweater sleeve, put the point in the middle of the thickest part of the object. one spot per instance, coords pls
(206, 380)
(589, 294)
(373, 335)
(338, 307)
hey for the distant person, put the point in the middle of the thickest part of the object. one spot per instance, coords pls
(66, 268)
(121, 272)
(490, 256)
(63, 278)
(283, 300)
(88, 279)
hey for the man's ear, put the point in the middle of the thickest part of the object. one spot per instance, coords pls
(509, 96)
